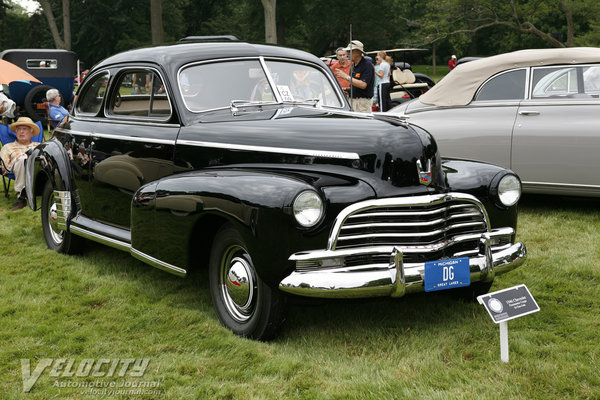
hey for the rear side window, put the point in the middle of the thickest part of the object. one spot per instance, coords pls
(139, 93)
(92, 93)
(505, 86)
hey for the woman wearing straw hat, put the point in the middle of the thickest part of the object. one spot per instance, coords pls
(14, 155)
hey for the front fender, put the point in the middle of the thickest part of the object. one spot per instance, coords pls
(478, 179)
(167, 213)
(48, 161)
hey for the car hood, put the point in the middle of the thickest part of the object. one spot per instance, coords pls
(382, 146)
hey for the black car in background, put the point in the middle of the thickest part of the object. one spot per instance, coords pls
(247, 160)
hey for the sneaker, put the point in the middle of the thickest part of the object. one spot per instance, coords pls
(21, 203)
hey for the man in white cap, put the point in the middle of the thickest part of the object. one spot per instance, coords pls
(362, 78)
(14, 155)
(452, 62)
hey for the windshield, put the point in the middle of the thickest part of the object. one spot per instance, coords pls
(215, 85)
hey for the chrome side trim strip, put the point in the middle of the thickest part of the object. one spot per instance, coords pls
(560, 185)
(158, 263)
(133, 138)
(96, 237)
(266, 149)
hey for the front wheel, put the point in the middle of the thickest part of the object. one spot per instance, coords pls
(56, 238)
(242, 301)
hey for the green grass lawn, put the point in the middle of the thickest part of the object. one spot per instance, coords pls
(104, 304)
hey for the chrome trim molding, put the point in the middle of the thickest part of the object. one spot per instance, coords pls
(96, 237)
(559, 185)
(132, 138)
(120, 245)
(266, 149)
(62, 200)
(158, 263)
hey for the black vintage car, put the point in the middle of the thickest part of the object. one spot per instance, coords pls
(247, 159)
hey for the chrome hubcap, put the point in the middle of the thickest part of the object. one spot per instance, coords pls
(238, 284)
(57, 234)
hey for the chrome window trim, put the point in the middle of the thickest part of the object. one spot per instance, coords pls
(114, 121)
(268, 149)
(136, 118)
(262, 61)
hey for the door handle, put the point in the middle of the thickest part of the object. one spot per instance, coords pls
(525, 112)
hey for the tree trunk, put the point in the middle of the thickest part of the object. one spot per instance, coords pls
(156, 22)
(66, 8)
(58, 41)
(270, 21)
(562, 6)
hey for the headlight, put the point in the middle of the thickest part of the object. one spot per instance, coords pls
(509, 190)
(308, 208)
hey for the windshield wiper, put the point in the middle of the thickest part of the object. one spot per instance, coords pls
(236, 105)
(313, 102)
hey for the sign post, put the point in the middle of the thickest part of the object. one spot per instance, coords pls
(505, 305)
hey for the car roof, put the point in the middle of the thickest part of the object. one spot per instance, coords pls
(459, 86)
(175, 55)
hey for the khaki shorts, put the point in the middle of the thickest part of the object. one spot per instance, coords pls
(362, 104)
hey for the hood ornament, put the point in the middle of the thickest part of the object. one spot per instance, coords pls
(425, 177)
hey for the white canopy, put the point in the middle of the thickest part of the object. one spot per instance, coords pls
(459, 86)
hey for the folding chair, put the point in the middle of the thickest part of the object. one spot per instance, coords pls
(8, 136)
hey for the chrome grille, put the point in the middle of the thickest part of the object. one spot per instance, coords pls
(429, 231)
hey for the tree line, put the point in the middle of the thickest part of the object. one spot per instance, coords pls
(95, 29)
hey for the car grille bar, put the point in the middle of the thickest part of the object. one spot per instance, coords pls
(433, 227)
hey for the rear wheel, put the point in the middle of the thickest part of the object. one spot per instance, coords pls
(56, 238)
(242, 301)
(34, 103)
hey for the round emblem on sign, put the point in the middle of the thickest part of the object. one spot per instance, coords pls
(495, 305)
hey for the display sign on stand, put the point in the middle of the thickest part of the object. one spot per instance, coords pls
(505, 305)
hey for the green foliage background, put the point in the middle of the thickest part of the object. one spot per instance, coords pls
(104, 27)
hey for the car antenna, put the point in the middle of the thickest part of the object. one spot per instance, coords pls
(351, 66)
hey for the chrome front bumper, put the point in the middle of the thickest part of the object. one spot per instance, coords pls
(336, 280)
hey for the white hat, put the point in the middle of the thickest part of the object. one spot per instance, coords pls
(355, 45)
(8, 105)
(453, 56)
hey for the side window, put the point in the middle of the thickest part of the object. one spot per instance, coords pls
(566, 82)
(92, 93)
(139, 93)
(505, 86)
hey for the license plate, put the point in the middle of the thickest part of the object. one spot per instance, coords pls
(447, 274)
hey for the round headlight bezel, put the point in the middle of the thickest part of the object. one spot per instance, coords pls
(307, 215)
(508, 190)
